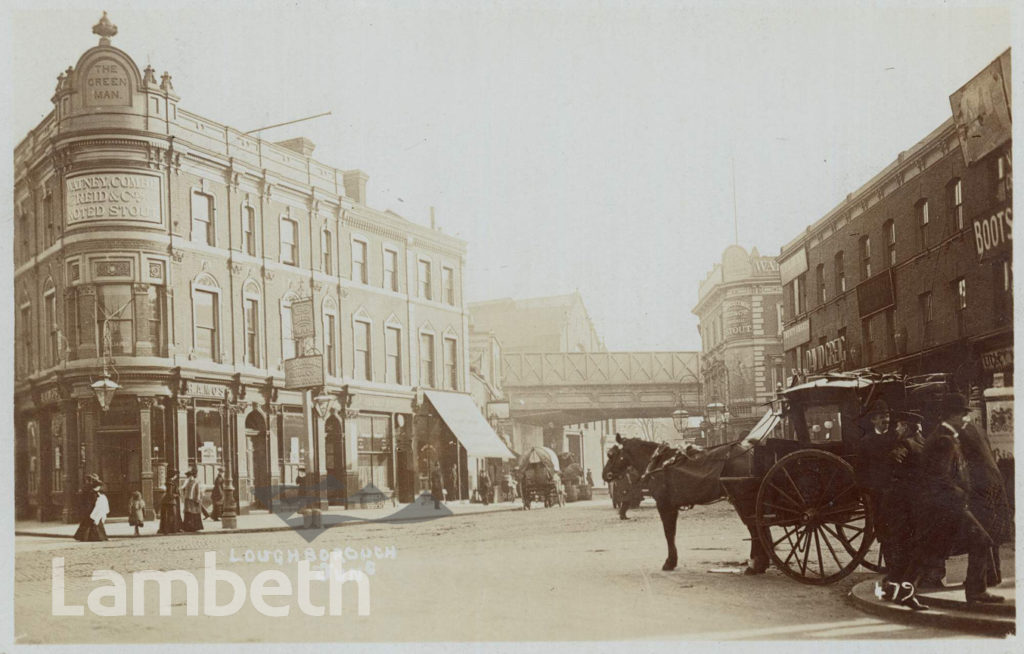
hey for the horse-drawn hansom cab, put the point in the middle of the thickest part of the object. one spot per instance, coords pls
(792, 479)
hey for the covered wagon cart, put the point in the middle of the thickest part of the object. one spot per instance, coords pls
(539, 477)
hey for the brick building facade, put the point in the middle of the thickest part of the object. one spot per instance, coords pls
(170, 249)
(913, 272)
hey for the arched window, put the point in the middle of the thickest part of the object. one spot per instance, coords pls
(206, 318)
(251, 321)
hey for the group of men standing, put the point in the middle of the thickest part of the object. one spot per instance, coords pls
(933, 497)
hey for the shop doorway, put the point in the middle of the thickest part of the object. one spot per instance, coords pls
(334, 458)
(257, 460)
(117, 462)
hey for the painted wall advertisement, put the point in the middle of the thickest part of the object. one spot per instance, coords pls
(112, 196)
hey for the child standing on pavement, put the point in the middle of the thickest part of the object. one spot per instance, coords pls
(136, 511)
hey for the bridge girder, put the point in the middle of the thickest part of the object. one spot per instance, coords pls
(568, 405)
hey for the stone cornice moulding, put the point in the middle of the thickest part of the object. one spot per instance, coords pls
(911, 163)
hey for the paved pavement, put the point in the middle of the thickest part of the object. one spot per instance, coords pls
(948, 608)
(420, 510)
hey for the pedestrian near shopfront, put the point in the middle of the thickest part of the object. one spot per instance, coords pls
(192, 493)
(899, 501)
(485, 487)
(945, 524)
(875, 465)
(987, 498)
(170, 506)
(91, 527)
(137, 511)
(217, 495)
(436, 485)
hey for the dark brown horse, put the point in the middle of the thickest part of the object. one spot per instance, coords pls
(695, 481)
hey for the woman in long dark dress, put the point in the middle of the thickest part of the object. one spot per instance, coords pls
(91, 527)
(193, 508)
(170, 506)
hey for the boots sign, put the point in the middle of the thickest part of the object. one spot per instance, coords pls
(993, 233)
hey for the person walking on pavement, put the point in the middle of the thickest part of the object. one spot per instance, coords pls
(987, 498)
(170, 506)
(91, 528)
(436, 485)
(192, 494)
(485, 487)
(217, 495)
(944, 521)
(137, 511)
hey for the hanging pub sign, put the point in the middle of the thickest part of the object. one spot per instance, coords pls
(302, 318)
(304, 372)
(993, 233)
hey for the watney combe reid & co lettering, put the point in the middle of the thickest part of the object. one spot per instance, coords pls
(113, 196)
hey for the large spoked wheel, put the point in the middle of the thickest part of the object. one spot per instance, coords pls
(811, 517)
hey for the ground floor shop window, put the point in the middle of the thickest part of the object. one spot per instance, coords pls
(374, 444)
(207, 448)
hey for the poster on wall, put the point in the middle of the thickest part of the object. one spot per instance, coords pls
(1000, 427)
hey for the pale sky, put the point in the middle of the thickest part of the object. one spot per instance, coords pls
(574, 145)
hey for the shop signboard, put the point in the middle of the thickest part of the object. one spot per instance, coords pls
(793, 267)
(208, 453)
(875, 294)
(981, 110)
(302, 318)
(304, 372)
(993, 233)
(797, 334)
(828, 355)
(997, 360)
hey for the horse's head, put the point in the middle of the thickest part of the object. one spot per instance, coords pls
(630, 452)
(615, 466)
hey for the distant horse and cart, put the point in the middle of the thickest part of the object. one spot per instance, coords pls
(791, 480)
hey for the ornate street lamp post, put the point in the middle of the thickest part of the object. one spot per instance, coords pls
(680, 418)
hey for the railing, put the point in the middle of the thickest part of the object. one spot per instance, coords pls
(611, 368)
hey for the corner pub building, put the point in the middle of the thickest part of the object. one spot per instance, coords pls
(161, 252)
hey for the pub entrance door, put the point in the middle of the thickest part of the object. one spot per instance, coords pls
(334, 458)
(257, 461)
(117, 463)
